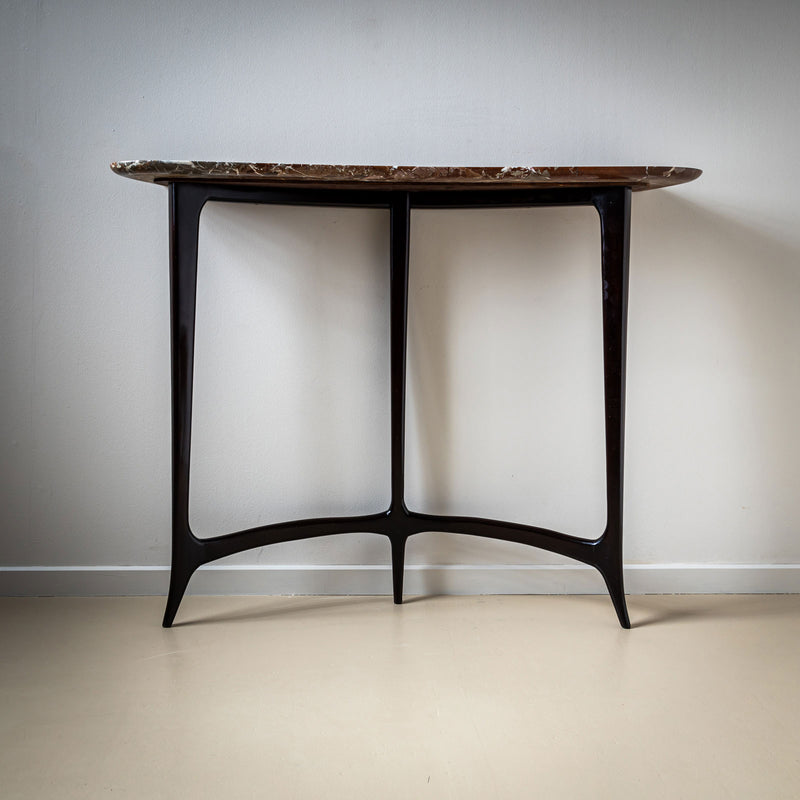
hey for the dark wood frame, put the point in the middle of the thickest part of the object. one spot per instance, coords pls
(397, 522)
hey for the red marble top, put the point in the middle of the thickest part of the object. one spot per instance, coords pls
(414, 178)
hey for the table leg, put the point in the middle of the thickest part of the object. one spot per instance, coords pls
(614, 207)
(400, 218)
(186, 202)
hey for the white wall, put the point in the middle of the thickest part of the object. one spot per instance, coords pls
(505, 378)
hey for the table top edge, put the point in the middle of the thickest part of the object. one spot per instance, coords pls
(638, 178)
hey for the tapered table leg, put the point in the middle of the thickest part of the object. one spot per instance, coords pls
(186, 202)
(614, 207)
(400, 219)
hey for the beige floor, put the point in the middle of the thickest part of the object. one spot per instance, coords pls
(444, 697)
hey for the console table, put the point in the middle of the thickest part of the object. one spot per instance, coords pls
(399, 189)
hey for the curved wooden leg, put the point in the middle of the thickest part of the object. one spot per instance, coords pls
(186, 203)
(614, 207)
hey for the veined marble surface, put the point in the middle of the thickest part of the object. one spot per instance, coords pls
(417, 178)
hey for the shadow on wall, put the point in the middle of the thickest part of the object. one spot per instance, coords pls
(713, 389)
(291, 416)
(505, 375)
(505, 380)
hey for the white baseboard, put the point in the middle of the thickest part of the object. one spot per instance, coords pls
(88, 581)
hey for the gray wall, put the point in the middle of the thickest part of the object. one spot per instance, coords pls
(292, 382)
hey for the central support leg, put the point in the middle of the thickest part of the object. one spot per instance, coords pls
(400, 217)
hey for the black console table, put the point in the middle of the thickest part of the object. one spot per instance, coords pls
(399, 189)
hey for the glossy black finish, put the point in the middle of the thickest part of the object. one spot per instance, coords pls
(397, 522)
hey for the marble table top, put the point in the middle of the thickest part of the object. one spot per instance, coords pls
(411, 178)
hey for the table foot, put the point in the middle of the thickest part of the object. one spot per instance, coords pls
(398, 566)
(616, 590)
(179, 580)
